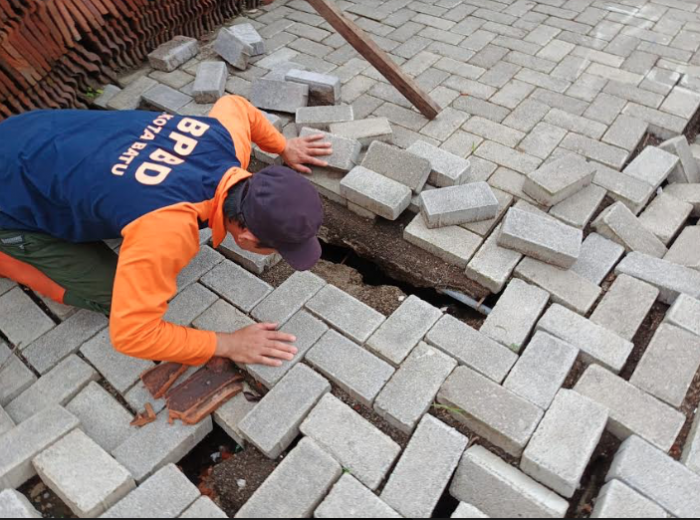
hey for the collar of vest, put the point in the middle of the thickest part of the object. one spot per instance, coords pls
(216, 220)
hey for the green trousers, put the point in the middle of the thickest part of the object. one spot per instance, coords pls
(85, 271)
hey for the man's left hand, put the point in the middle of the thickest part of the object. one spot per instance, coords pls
(306, 150)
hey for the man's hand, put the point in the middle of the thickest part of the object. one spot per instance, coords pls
(305, 150)
(259, 344)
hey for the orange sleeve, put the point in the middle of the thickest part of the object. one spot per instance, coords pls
(156, 248)
(247, 124)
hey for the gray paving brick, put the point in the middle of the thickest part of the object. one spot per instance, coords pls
(285, 301)
(433, 453)
(596, 151)
(21, 320)
(364, 130)
(665, 217)
(158, 444)
(685, 314)
(204, 262)
(453, 244)
(467, 511)
(682, 102)
(618, 500)
(231, 414)
(83, 475)
(688, 171)
(16, 377)
(166, 98)
(605, 109)
(562, 447)
(360, 447)
(189, 305)
(447, 122)
(619, 224)
(323, 89)
(233, 49)
(253, 262)
(685, 249)
(54, 346)
(346, 151)
(297, 486)
(204, 508)
(375, 192)
(661, 124)
(485, 227)
(166, 494)
(456, 205)
(557, 181)
(210, 83)
(489, 410)
(398, 165)
(279, 96)
(492, 265)
(688, 193)
(13, 504)
(274, 423)
(174, 53)
(653, 166)
(500, 490)
(691, 452)
(237, 285)
(492, 131)
(6, 422)
(350, 499)
(247, 33)
(634, 193)
(504, 156)
(30, 438)
(321, 117)
(446, 169)
(579, 209)
(657, 476)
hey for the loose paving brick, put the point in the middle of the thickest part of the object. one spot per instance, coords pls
(559, 180)
(456, 205)
(16, 377)
(485, 227)
(375, 192)
(562, 446)
(57, 387)
(490, 411)
(453, 244)
(285, 301)
(632, 411)
(688, 171)
(167, 494)
(200, 265)
(446, 169)
(597, 344)
(665, 217)
(321, 117)
(398, 165)
(101, 416)
(634, 193)
(542, 238)
(359, 447)
(54, 346)
(6, 422)
(230, 415)
(619, 224)
(204, 508)
(297, 486)
(279, 96)
(350, 499)
(210, 83)
(671, 279)
(492, 264)
(658, 477)
(365, 131)
(403, 330)
(682, 102)
(255, 263)
(83, 475)
(514, 317)
(688, 193)
(685, 314)
(625, 306)
(500, 490)
(579, 209)
(618, 500)
(174, 53)
(669, 365)
(411, 391)
(29, 439)
(467, 511)
(233, 49)
(346, 151)
(189, 305)
(323, 88)
(653, 166)
(158, 444)
(691, 453)
(249, 35)
(21, 320)
(237, 285)
(15, 505)
(433, 453)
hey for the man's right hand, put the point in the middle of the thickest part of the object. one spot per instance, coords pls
(259, 344)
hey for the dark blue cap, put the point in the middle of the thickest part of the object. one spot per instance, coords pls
(284, 211)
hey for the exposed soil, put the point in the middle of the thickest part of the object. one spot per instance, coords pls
(44, 500)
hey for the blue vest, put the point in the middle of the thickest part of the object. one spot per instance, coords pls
(84, 175)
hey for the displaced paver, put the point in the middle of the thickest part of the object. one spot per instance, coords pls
(489, 410)
(492, 264)
(365, 130)
(399, 165)
(210, 82)
(346, 151)
(279, 96)
(632, 192)
(453, 244)
(618, 500)
(686, 249)
(357, 445)
(619, 224)
(653, 166)
(232, 49)
(691, 452)
(665, 217)
(247, 33)
(297, 486)
(425, 469)
(688, 171)
(599, 256)
(687, 193)
(671, 279)
(174, 53)
(231, 414)
(14, 504)
(514, 317)
(447, 169)
(350, 499)
(559, 180)
(484, 228)
(255, 263)
(375, 192)
(274, 423)
(83, 475)
(632, 412)
(561, 448)
(458, 205)
(323, 88)
(685, 314)
(500, 490)
(321, 117)
(204, 508)
(579, 209)
(467, 511)
(285, 301)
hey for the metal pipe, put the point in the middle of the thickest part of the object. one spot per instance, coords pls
(466, 300)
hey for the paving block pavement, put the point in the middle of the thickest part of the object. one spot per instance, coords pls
(189, 304)
(130, 98)
(471, 348)
(297, 486)
(557, 181)
(255, 263)
(6, 422)
(204, 262)
(514, 317)
(167, 494)
(597, 344)
(203, 507)
(14, 504)
(321, 117)
(619, 224)
(632, 411)
(542, 369)
(669, 365)
(174, 53)
(396, 338)
(658, 477)
(274, 423)
(618, 500)
(484, 228)
(158, 444)
(231, 414)
(279, 96)
(561, 448)
(686, 249)
(350, 499)
(366, 131)
(685, 314)
(28, 440)
(354, 442)
(222, 317)
(346, 314)
(665, 217)
(165, 98)
(632, 192)
(653, 166)
(101, 416)
(688, 171)
(57, 387)
(500, 490)
(447, 169)
(433, 453)
(399, 165)
(285, 301)
(671, 279)
(492, 265)
(210, 82)
(691, 452)
(83, 475)
(453, 244)
(599, 256)
(457, 205)
(324, 89)
(489, 410)
(236, 285)
(411, 391)
(375, 192)
(16, 377)
(21, 320)
(625, 306)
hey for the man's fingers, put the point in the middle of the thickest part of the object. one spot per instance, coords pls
(269, 362)
(302, 169)
(320, 152)
(281, 336)
(275, 352)
(268, 326)
(314, 138)
(320, 145)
